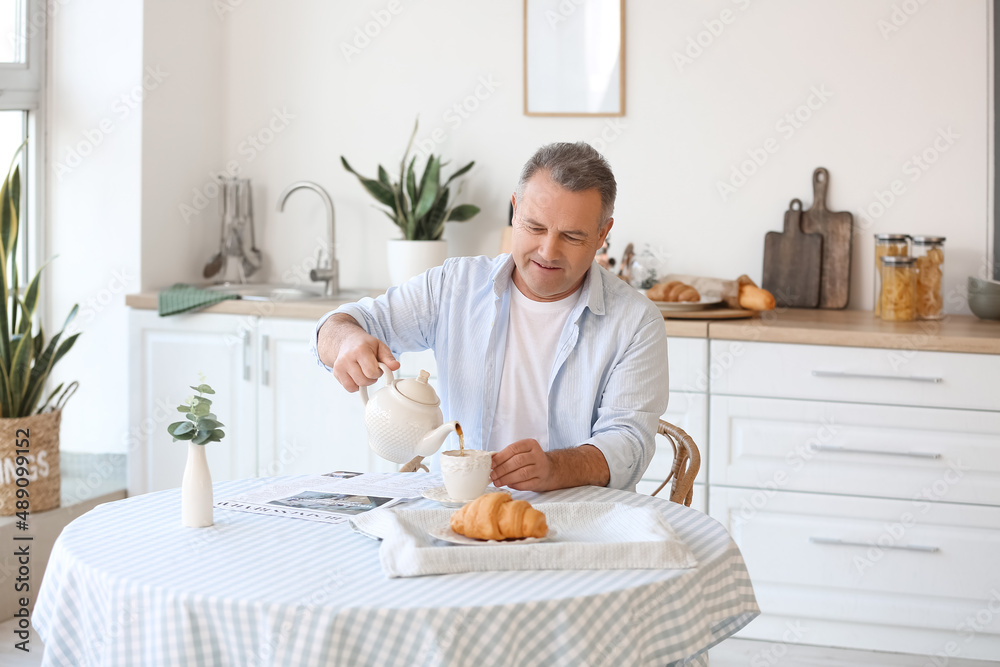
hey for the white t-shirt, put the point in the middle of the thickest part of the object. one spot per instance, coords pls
(532, 338)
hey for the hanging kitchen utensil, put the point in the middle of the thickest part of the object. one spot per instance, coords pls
(836, 230)
(251, 260)
(215, 264)
(792, 262)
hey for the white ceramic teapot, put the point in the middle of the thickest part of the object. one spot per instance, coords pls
(404, 418)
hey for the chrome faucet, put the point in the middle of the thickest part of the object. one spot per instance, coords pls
(328, 274)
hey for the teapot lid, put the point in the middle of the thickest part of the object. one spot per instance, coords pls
(418, 390)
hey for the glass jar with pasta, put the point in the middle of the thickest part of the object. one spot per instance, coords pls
(929, 254)
(899, 288)
(891, 245)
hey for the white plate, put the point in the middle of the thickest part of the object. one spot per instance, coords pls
(440, 494)
(445, 533)
(682, 306)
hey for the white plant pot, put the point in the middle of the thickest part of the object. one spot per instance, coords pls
(196, 489)
(411, 258)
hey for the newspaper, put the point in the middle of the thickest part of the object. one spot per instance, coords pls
(331, 498)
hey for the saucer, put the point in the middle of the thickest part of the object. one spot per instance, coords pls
(440, 494)
(445, 533)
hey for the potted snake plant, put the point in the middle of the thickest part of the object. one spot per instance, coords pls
(419, 204)
(29, 425)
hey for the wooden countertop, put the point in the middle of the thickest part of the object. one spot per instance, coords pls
(860, 328)
(316, 308)
(848, 328)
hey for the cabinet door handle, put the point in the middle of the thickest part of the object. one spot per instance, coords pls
(246, 355)
(265, 360)
(867, 376)
(878, 452)
(851, 543)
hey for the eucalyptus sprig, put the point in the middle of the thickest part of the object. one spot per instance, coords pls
(201, 425)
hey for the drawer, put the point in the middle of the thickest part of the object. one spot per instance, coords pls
(689, 412)
(699, 497)
(687, 359)
(877, 566)
(847, 448)
(859, 375)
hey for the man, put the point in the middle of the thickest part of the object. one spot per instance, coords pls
(544, 357)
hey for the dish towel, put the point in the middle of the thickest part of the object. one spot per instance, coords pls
(181, 298)
(584, 536)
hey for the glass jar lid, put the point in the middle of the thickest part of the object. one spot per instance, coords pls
(898, 260)
(928, 240)
(891, 237)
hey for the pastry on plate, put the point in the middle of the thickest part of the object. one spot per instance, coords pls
(496, 516)
(673, 291)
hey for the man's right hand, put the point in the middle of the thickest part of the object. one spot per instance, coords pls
(352, 352)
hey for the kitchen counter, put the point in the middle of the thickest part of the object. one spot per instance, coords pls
(860, 328)
(850, 328)
(316, 308)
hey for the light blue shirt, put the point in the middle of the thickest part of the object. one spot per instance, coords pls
(609, 382)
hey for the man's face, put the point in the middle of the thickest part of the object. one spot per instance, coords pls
(556, 235)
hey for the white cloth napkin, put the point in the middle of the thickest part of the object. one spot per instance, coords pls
(587, 536)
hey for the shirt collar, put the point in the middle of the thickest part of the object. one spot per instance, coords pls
(593, 284)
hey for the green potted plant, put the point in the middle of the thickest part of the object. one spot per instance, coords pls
(199, 427)
(419, 204)
(29, 432)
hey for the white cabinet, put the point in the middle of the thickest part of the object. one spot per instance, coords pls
(863, 491)
(283, 413)
(687, 359)
(876, 574)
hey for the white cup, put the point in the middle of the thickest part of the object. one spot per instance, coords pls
(466, 477)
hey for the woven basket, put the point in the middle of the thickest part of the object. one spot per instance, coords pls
(43, 461)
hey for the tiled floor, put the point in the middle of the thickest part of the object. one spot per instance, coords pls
(745, 652)
(731, 653)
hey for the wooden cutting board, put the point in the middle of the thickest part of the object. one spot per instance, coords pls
(792, 262)
(836, 229)
(710, 314)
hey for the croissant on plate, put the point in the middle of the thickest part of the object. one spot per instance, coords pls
(673, 291)
(495, 516)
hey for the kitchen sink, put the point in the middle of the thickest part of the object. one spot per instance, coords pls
(282, 292)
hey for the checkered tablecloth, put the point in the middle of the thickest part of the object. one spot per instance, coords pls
(128, 585)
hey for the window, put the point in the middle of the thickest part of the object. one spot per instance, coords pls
(22, 67)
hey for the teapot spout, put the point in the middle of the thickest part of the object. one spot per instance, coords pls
(432, 442)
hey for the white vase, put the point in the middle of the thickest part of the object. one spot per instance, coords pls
(411, 258)
(196, 489)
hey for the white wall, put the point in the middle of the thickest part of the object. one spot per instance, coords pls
(236, 69)
(181, 137)
(93, 207)
(886, 95)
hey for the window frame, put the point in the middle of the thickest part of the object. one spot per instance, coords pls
(23, 88)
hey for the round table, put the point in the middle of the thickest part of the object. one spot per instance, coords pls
(128, 585)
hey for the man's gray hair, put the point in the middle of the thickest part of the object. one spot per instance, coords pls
(575, 167)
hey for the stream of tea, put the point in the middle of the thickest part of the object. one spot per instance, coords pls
(461, 439)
